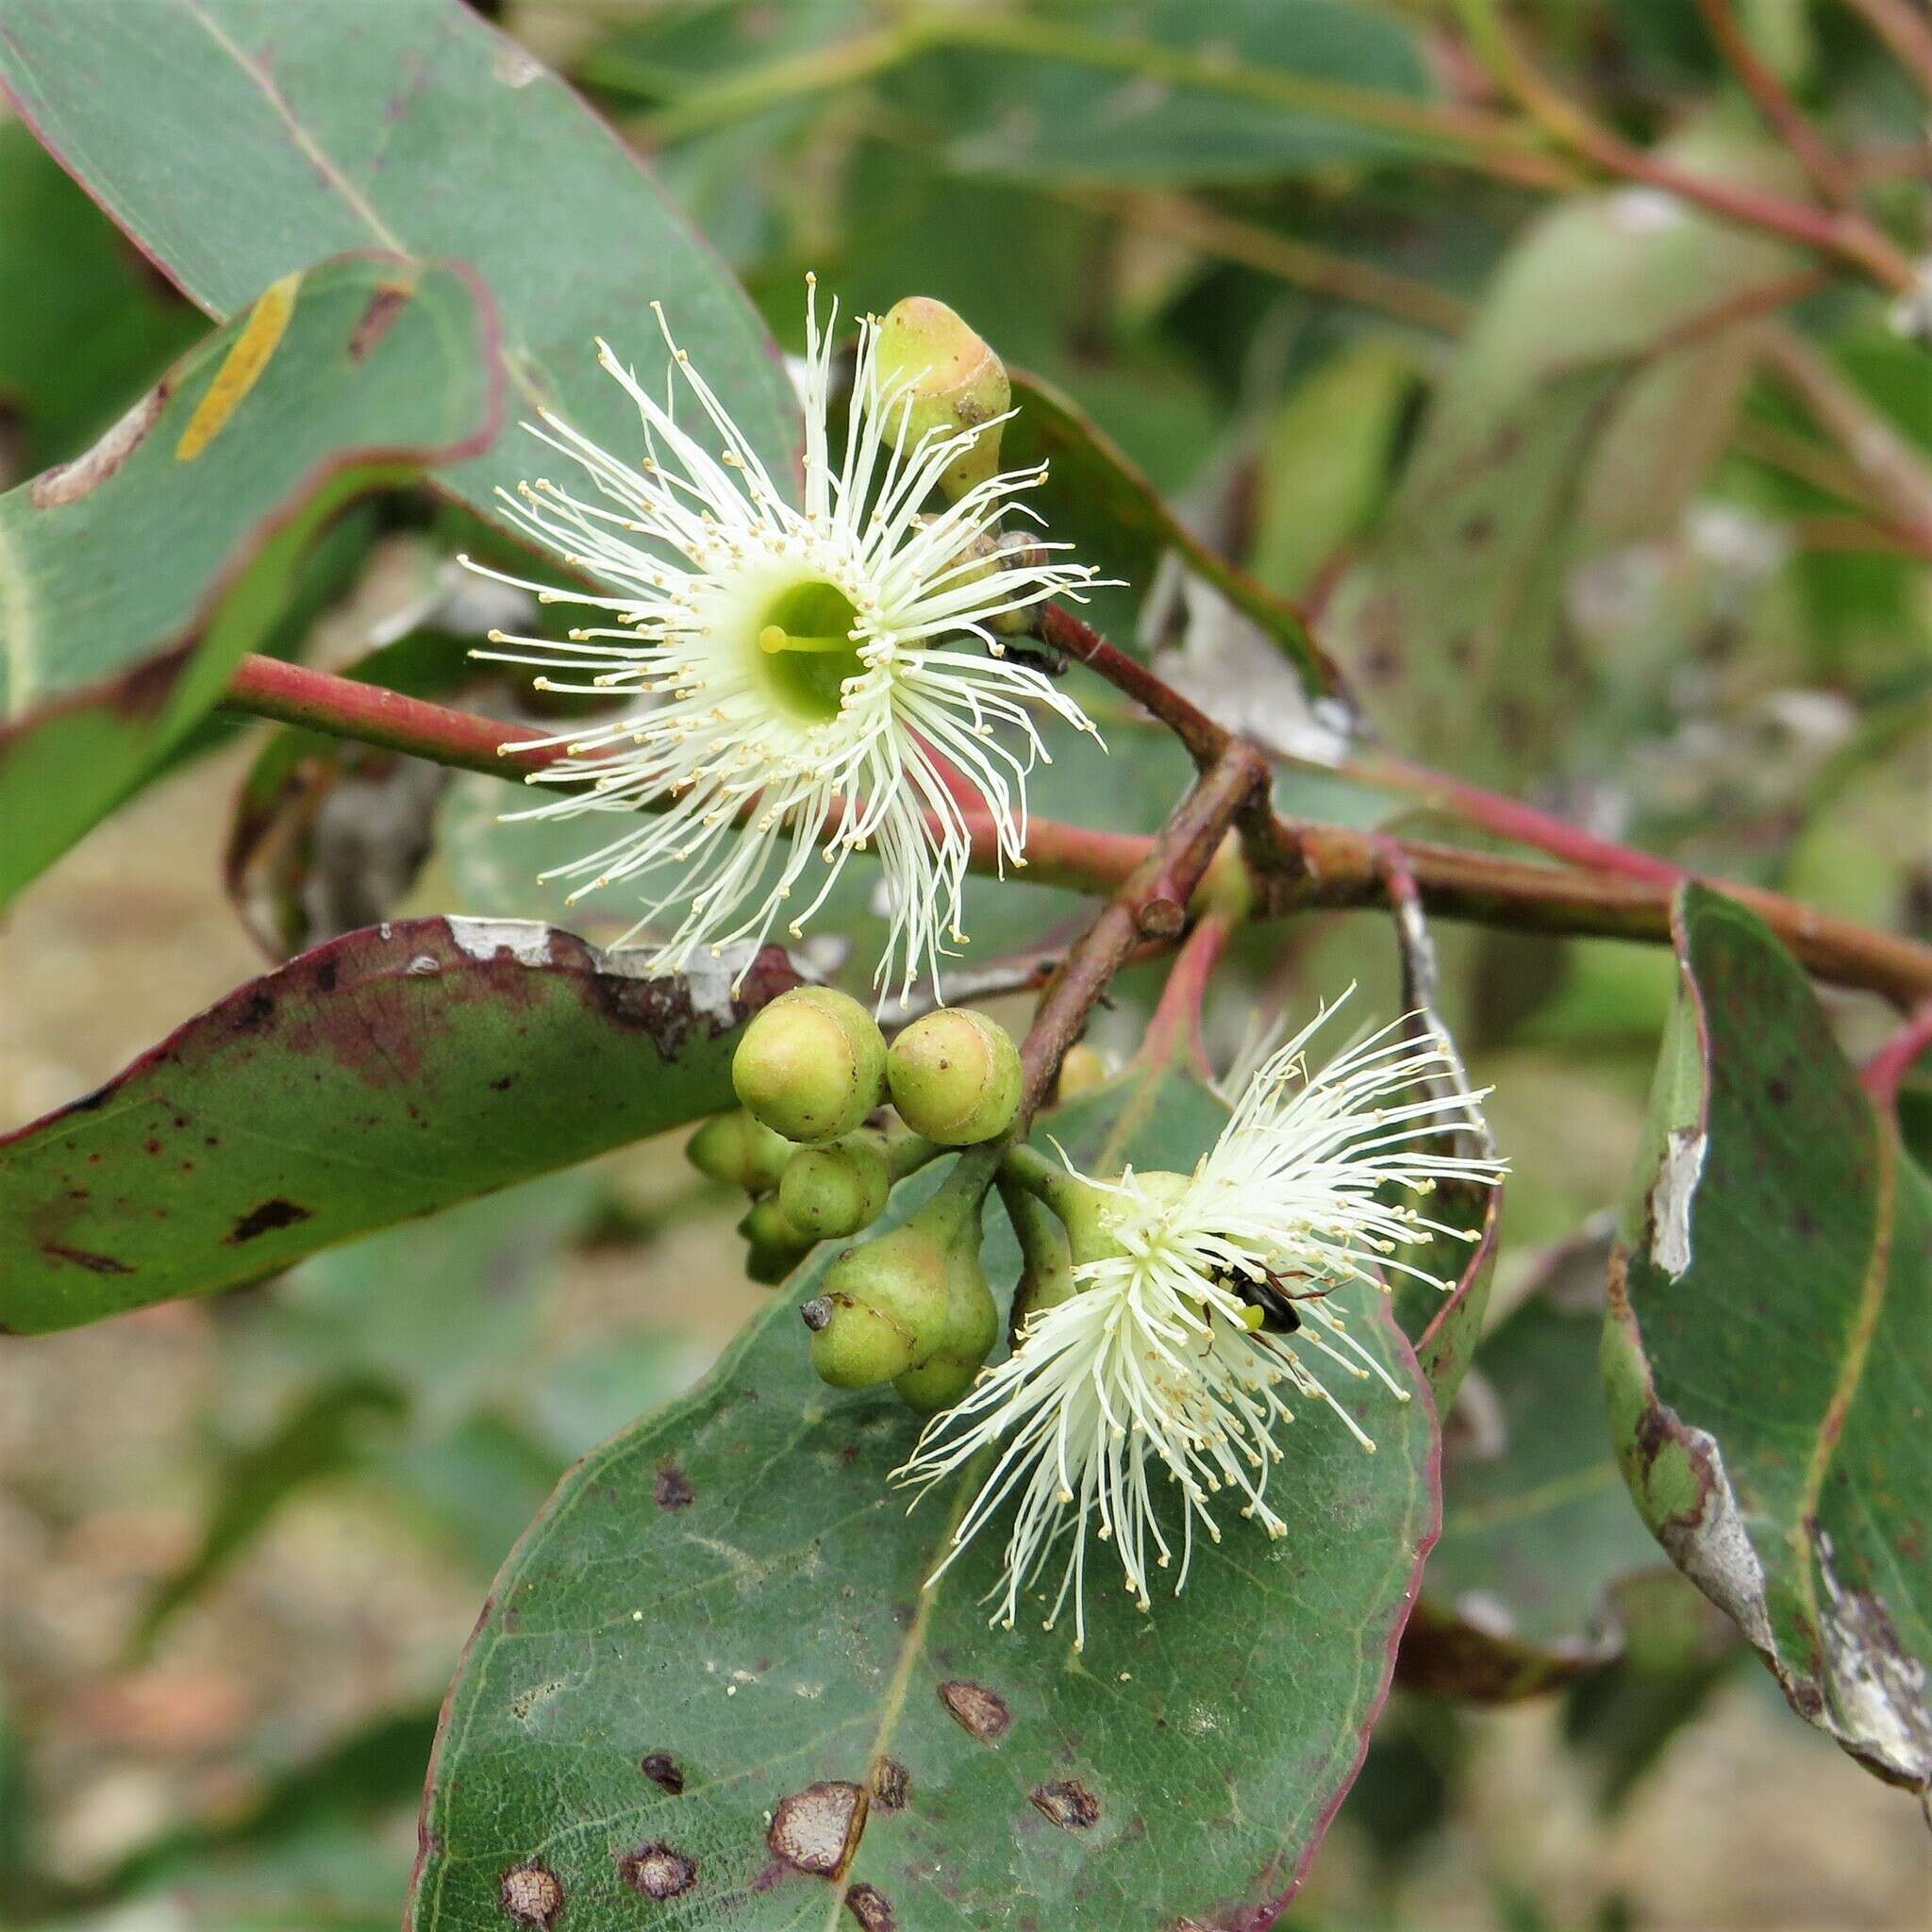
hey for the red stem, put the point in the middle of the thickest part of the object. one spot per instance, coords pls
(1885, 1072)
(1509, 818)
(1295, 867)
(1829, 174)
(1175, 1024)
(1177, 859)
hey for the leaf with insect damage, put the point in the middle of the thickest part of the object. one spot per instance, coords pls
(710, 1671)
(134, 578)
(1769, 1342)
(388, 1074)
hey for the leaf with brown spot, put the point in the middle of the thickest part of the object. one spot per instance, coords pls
(850, 1722)
(382, 138)
(354, 1088)
(132, 583)
(1769, 1342)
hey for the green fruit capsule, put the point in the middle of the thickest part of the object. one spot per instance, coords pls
(936, 1384)
(740, 1151)
(955, 1077)
(1081, 1071)
(773, 1246)
(956, 383)
(811, 1065)
(854, 1344)
(836, 1189)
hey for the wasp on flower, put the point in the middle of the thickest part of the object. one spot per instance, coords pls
(802, 682)
(1198, 1308)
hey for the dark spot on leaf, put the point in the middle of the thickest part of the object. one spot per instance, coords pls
(674, 1489)
(1779, 1089)
(657, 1871)
(1477, 531)
(1068, 1803)
(255, 1012)
(385, 304)
(266, 1219)
(982, 1711)
(503, 1083)
(817, 1829)
(89, 1102)
(872, 1909)
(892, 1785)
(326, 974)
(532, 1894)
(663, 1769)
(85, 1257)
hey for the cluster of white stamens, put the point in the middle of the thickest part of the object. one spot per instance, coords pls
(1160, 1363)
(800, 699)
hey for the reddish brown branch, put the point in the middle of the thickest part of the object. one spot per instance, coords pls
(1176, 1025)
(1906, 30)
(1176, 861)
(1845, 234)
(1829, 174)
(1319, 866)
(1205, 741)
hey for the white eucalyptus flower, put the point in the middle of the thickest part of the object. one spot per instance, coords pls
(1159, 1361)
(812, 681)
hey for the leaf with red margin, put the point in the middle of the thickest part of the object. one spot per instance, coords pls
(380, 1076)
(1769, 1342)
(133, 579)
(411, 126)
(710, 1671)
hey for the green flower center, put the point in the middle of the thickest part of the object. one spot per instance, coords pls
(804, 649)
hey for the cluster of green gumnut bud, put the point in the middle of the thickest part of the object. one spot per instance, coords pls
(817, 1152)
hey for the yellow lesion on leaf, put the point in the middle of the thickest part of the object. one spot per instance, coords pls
(241, 368)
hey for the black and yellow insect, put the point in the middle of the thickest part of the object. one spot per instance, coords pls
(1269, 1296)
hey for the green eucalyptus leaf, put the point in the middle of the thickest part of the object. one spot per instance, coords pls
(1769, 1342)
(84, 325)
(390, 1072)
(1132, 91)
(133, 579)
(709, 1681)
(1579, 415)
(408, 125)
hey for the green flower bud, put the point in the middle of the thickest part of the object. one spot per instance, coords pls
(740, 1151)
(811, 1065)
(957, 383)
(955, 1077)
(887, 1300)
(1081, 1071)
(914, 1299)
(1001, 550)
(855, 1344)
(837, 1188)
(935, 1384)
(1089, 1212)
(774, 1246)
